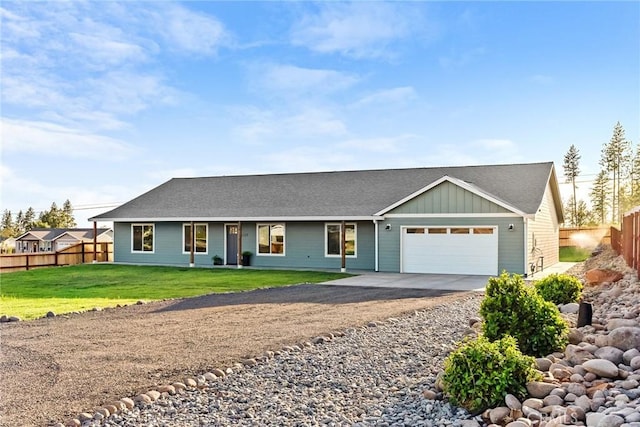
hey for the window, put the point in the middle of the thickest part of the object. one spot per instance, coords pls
(482, 230)
(200, 238)
(334, 240)
(459, 231)
(142, 238)
(271, 239)
(415, 230)
(437, 231)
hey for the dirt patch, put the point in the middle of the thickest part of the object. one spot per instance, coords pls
(53, 369)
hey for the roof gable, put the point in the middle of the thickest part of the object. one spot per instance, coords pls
(324, 195)
(450, 195)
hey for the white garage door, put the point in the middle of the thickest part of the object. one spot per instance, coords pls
(450, 250)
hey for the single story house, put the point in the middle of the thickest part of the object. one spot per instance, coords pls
(56, 239)
(459, 220)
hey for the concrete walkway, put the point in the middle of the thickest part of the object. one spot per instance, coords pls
(557, 268)
(447, 282)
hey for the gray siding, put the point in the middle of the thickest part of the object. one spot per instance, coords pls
(510, 243)
(544, 233)
(448, 198)
(304, 246)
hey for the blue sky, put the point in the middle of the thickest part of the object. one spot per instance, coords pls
(102, 101)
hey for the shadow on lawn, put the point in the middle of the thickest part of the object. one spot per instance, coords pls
(313, 294)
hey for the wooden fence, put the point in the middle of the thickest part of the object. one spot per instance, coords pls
(626, 242)
(80, 253)
(585, 236)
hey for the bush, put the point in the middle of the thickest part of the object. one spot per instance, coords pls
(512, 308)
(559, 288)
(479, 373)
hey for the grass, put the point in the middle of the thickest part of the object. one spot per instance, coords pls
(574, 254)
(31, 294)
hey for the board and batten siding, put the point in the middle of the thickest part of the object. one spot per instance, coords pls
(304, 246)
(448, 198)
(544, 233)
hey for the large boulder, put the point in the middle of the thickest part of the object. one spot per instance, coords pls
(598, 276)
(625, 338)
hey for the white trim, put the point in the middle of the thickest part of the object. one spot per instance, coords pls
(462, 184)
(376, 250)
(153, 249)
(355, 240)
(196, 224)
(263, 219)
(525, 229)
(21, 237)
(456, 215)
(284, 238)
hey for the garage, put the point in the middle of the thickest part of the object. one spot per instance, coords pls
(450, 250)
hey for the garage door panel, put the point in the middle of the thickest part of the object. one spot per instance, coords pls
(450, 253)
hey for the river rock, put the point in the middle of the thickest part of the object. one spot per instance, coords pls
(612, 354)
(576, 355)
(601, 367)
(618, 323)
(597, 276)
(512, 402)
(497, 415)
(625, 338)
(540, 389)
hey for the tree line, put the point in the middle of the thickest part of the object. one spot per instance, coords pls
(616, 188)
(15, 225)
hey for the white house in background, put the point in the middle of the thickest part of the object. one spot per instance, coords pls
(56, 239)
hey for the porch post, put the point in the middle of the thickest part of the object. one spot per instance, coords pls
(192, 234)
(95, 242)
(343, 245)
(239, 244)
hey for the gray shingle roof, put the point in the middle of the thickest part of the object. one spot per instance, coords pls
(347, 194)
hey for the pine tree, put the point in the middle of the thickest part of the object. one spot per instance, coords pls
(615, 160)
(571, 171)
(67, 220)
(579, 212)
(600, 192)
(19, 223)
(7, 226)
(29, 219)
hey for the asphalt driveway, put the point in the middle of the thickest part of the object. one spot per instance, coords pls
(446, 282)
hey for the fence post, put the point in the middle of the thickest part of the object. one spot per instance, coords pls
(27, 264)
(55, 257)
(82, 252)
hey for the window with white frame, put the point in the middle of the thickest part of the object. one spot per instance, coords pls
(333, 240)
(142, 237)
(200, 238)
(271, 239)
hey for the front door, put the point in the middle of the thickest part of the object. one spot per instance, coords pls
(232, 245)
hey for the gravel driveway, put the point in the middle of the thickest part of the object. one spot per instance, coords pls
(55, 368)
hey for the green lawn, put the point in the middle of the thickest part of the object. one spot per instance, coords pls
(31, 294)
(574, 254)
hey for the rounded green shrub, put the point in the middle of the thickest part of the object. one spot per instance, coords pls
(479, 373)
(510, 307)
(559, 288)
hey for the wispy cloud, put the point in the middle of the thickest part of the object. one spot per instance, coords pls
(386, 145)
(290, 80)
(384, 97)
(265, 126)
(92, 65)
(358, 29)
(460, 58)
(49, 139)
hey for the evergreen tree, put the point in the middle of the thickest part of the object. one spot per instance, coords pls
(582, 215)
(615, 159)
(66, 217)
(600, 192)
(19, 224)
(571, 171)
(7, 226)
(29, 219)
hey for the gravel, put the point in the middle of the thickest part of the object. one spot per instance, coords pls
(373, 375)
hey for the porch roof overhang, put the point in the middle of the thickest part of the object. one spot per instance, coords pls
(248, 219)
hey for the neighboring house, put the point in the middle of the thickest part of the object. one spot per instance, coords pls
(56, 239)
(466, 220)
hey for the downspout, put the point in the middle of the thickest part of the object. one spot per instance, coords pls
(377, 236)
(526, 246)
